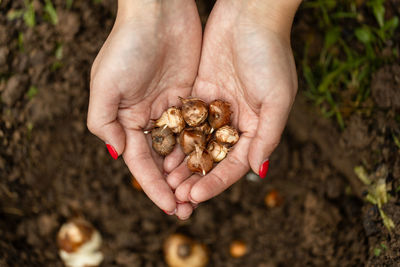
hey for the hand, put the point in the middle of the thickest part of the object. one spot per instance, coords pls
(246, 60)
(149, 59)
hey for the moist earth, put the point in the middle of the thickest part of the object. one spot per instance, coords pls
(52, 168)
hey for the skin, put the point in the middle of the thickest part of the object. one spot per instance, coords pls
(246, 60)
(152, 56)
(149, 59)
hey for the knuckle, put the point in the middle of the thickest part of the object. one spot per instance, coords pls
(295, 88)
(220, 180)
(235, 161)
(94, 83)
(97, 82)
(182, 192)
(92, 126)
(139, 158)
(287, 99)
(93, 69)
(268, 142)
(274, 143)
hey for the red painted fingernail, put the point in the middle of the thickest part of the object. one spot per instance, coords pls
(112, 151)
(263, 169)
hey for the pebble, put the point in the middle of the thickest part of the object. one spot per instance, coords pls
(14, 90)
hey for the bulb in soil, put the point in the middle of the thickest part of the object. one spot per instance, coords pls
(181, 251)
(191, 139)
(217, 151)
(173, 118)
(227, 135)
(200, 161)
(79, 244)
(273, 199)
(219, 114)
(194, 111)
(237, 249)
(163, 140)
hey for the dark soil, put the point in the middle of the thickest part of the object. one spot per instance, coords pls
(52, 168)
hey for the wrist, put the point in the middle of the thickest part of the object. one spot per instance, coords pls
(275, 15)
(132, 9)
(149, 9)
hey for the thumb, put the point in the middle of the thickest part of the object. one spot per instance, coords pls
(102, 117)
(272, 121)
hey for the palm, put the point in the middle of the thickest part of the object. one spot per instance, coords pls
(148, 70)
(143, 67)
(247, 65)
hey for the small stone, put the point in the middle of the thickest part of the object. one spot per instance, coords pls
(14, 89)
(47, 224)
(127, 258)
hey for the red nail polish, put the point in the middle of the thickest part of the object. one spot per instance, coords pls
(263, 169)
(112, 151)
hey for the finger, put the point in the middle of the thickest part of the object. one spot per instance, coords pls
(227, 172)
(137, 157)
(183, 211)
(177, 176)
(102, 117)
(272, 121)
(182, 192)
(174, 159)
(159, 160)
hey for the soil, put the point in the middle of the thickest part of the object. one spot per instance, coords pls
(52, 168)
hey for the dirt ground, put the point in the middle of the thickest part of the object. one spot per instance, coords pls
(52, 168)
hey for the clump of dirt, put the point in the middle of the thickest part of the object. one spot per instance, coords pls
(356, 135)
(385, 87)
(320, 227)
(52, 168)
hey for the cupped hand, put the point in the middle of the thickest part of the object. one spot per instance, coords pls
(149, 59)
(246, 60)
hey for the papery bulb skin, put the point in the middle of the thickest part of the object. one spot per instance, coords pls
(173, 118)
(227, 135)
(191, 139)
(200, 162)
(194, 111)
(219, 114)
(163, 140)
(217, 151)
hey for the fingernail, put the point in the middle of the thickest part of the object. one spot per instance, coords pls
(180, 202)
(183, 219)
(263, 169)
(112, 151)
(191, 200)
(169, 213)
